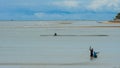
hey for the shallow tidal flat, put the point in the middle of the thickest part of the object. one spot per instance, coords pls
(32, 44)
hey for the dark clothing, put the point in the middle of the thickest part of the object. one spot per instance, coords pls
(55, 34)
(91, 52)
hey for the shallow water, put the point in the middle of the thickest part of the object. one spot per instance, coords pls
(35, 47)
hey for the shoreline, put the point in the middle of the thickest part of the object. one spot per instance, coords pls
(59, 26)
(112, 22)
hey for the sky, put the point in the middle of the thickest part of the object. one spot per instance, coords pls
(59, 9)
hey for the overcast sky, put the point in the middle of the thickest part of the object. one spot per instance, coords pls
(59, 9)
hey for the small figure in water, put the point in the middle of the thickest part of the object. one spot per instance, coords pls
(55, 34)
(93, 54)
(91, 51)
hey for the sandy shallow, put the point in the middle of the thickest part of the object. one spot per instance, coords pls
(34, 46)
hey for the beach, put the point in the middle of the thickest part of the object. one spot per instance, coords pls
(32, 44)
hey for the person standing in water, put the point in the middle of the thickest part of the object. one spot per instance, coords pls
(55, 34)
(95, 54)
(91, 52)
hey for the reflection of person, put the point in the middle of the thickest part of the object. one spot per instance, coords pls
(91, 51)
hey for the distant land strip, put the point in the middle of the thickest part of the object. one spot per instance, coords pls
(96, 26)
(59, 26)
(75, 35)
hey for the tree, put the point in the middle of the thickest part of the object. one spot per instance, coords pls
(118, 16)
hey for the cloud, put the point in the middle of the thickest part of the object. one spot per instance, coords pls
(57, 9)
(73, 16)
(58, 16)
(48, 16)
(67, 3)
(104, 4)
(42, 14)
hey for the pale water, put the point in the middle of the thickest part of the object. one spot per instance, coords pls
(31, 44)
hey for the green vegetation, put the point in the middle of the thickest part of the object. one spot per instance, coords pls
(118, 16)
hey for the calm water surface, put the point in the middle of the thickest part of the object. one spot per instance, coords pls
(31, 44)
